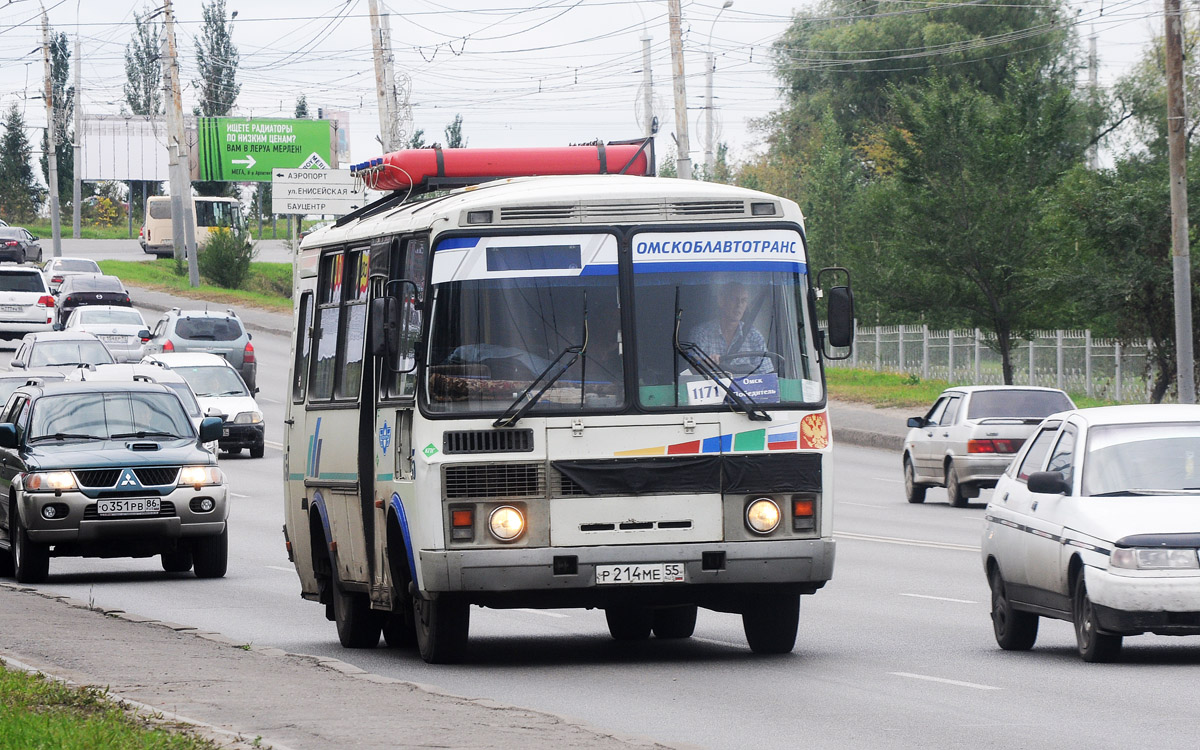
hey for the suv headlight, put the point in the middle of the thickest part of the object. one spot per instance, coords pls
(50, 481)
(248, 417)
(1153, 558)
(198, 476)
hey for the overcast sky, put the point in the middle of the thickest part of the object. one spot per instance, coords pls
(521, 73)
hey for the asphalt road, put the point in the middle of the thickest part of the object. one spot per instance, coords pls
(896, 652)
(268, 251)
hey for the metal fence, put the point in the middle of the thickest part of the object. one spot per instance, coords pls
(1071, 360)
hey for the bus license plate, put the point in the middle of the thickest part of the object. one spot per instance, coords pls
(640, 573)
(128, 506)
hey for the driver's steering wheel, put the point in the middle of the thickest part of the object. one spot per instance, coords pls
(777, 359)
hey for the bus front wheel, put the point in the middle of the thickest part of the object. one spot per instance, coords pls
(771, 624)
(442, 624)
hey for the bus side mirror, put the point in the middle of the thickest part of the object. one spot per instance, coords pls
(385, 324)
(841, 317)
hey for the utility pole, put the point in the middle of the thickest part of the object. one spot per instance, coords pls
(1181, 261)
(381, 79)
(683, 160)
(647, 87)
(182, 221)
(396, 110)
(1093, 151)
(77, 186)
(710, 68)
(51, 137)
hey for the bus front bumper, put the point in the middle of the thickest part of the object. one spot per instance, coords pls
(805, 563)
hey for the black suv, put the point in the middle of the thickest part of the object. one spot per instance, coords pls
(108, 470)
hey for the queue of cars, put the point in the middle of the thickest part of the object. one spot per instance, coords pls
(108, 452)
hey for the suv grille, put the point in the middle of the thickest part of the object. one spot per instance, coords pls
(158, 475)
(494, 480)
(97, 477)
(487, 441)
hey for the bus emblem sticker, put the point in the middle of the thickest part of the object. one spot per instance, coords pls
(385, 436)
(430, 450)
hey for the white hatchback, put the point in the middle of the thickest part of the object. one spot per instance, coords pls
(1097, 521)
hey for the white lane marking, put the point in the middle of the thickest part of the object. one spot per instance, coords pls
(940, 598)
(269, 400)
(540, 612)
(889, 481)
(905, 542)
(285, 570)
(273, 444)
(714, 641)
(861, 505)
(943, 680)
(244, 497)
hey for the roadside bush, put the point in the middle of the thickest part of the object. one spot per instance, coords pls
(225, 260)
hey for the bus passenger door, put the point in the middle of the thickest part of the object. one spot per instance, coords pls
(295, 454)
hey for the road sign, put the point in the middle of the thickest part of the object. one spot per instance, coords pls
(315, 191)
(240, 149)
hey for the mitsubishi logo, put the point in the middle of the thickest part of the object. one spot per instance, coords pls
(128, 479)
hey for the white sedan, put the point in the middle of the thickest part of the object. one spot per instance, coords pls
(1097, 521)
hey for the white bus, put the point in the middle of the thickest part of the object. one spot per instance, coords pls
(598, 391)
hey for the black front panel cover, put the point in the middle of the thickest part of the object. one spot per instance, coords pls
(772, 472)
(637, 476)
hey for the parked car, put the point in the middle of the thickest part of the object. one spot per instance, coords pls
(108, 470)
(60, 350)
(969, 436)
(57, 269)
(1097, 522)
(143, 373)
(221, 393)
(17, 245)
(122, 329)
(220, 333)
(83, 289)
(26, 305)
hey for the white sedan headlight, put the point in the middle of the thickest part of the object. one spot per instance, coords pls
(248, 417)
(198, 476)
(1154, 558)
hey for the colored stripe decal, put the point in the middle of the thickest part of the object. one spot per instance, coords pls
(754, 440)
(658, 450)
(457, 243)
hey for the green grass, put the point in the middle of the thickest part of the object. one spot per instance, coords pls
(36, 712)
(268, 287)
(903, 391)
(119, 232)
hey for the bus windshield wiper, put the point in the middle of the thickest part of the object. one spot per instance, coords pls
(513, 414)
(704, 364)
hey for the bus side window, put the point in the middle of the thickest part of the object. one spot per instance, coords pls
(302, 347)
(329, 305)
(354, 323)
(413, 258)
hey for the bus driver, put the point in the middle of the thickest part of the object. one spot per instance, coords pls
(729, 334)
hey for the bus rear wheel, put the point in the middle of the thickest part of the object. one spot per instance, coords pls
(675, 622)
(442, 624)
(358, 626)
(629, 623)
(771, 624)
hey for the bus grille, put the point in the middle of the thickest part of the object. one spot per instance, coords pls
(563, 486)
(487, 441)
(493, 481)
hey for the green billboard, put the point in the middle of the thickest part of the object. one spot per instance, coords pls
(244, 149)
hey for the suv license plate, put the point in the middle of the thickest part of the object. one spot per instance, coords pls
(640, 573)
(12, 308)
(130, 506)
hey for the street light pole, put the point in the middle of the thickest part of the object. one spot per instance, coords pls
(683, 158)
(708, 95)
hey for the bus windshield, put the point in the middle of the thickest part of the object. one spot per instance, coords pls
(717, 312)
(509, 311)
(218, 213)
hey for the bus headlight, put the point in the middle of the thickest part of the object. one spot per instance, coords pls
(762, 515)
(506, 523)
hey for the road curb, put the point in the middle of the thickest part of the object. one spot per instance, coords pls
(344, 669)
(867, 438)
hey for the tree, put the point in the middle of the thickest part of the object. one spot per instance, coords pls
(418, 139)
(143, 69)
(64, 112)
(217, 58)
(301, 112)
(973, 168)
(454, 134)
(20, 193)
